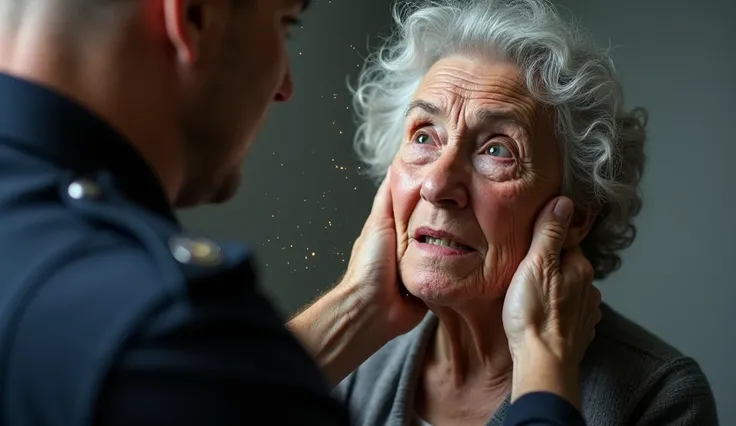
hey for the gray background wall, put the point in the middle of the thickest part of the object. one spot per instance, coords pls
(303, 200)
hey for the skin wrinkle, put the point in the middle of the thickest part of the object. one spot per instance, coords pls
(459, 131)
(450, 182)
(509, 83)
(526, 122)
(460, 123)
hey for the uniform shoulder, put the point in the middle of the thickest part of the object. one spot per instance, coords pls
(96, 274)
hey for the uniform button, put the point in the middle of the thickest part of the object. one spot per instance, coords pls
(84, 189)
(196, 251)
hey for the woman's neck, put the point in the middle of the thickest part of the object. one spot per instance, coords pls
(470, 346)
(467, 370)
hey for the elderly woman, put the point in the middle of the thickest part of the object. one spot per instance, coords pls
(483, 111)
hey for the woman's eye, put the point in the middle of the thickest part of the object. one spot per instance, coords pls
(423, 138)
(499, 151)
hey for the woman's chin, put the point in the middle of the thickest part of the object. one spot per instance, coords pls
(434, 289)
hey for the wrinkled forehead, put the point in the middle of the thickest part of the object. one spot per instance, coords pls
(476, 89)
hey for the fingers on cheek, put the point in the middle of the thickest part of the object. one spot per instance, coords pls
(402, 243)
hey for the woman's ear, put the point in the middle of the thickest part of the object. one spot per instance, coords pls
(580, 226)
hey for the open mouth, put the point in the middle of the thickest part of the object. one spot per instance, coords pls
(443, 242)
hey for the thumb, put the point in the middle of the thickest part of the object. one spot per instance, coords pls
(550, 230)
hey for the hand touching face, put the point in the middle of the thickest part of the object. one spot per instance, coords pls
(478, 162)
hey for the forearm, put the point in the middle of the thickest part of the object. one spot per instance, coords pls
(538, 369)
(340, 331)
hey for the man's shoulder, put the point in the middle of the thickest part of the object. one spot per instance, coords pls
(89, 289)
(51, 218)
(87, 275)
(77, 247)
(637, 374)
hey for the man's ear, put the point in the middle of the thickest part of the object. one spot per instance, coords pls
(580, 226)
(184, 24)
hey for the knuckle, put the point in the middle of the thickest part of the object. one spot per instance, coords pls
(535, 262)
(545, 264)
(585, 269)
(570, 262)
(553, 230)
(549, 270)
(596, 296)
(545, 261)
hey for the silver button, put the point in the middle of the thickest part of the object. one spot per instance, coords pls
(196, 251)
(84, 189)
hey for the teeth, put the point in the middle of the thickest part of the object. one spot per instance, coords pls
(443, 242)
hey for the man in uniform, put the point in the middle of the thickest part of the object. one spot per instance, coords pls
(112, 113)
(109, 311)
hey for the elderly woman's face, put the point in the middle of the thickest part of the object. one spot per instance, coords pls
(477, 164)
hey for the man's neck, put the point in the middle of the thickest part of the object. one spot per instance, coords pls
(113, 75)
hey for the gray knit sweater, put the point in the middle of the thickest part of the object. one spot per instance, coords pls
(629, 377)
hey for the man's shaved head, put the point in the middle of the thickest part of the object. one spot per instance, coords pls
(81, 15)
(72, 12)
(188, 82)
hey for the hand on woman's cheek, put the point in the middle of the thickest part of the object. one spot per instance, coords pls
(495, 221)
(405, 194)
(466, 190)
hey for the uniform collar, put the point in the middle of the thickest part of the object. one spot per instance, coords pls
(71, 137)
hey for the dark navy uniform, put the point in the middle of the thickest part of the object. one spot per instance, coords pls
(110, 314)
(543, 409)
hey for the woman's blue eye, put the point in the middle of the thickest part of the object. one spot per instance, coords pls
(499, 151)
(423, 138)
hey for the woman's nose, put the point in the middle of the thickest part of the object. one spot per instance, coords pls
(445, 184)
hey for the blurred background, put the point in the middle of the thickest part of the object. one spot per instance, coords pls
(304, 201)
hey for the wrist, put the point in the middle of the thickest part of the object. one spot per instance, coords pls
(340, 330)
(360, 316)
(537, 368)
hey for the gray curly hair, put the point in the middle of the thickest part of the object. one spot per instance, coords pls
(602, 145)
